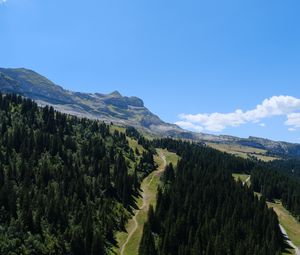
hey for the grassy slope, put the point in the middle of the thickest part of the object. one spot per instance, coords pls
(118, 128)
(242, 151)
(241, 177)
(149, 186)
(291, 225)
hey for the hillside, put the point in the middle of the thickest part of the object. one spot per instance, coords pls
(66, 184)
(69, 185)
(126, 111)
(201, 210)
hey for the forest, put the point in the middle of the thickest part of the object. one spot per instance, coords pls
(67, 184)
(279, 180)
(201, 210)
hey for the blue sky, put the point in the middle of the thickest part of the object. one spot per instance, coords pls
(181, 57)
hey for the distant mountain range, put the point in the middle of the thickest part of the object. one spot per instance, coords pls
(122, 110)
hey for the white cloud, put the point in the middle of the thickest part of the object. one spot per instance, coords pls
(293, 120)
(189, 125)
(262, 124)
(2, 1)
(216, 122)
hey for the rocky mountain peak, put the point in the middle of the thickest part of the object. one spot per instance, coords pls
(115, 94)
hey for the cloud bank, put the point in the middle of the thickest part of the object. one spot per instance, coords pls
(216, 122)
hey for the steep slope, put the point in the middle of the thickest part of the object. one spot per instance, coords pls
(66, 184)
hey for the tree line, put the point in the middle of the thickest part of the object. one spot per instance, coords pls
(278, 180)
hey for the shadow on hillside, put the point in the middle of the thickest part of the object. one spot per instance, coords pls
(286, 248)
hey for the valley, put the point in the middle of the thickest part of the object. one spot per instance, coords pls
(128, 243)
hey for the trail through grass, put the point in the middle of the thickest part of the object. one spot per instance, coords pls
(129, 242)
(288, 222)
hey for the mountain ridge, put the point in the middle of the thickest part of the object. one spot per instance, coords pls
(112, 107)
(121, 110)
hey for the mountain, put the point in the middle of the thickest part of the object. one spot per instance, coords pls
(271, 148)
(122, 110)
(113, 107)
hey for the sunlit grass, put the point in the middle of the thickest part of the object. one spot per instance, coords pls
(149, 186)
(242, 151)
(286, 219)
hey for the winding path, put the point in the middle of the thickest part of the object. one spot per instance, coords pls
(146, 202)
(290, 243)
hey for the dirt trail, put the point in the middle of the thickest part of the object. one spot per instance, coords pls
(289, 241)
(146, 201)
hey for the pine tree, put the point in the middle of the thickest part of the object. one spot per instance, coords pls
(97, 244)
(147, 245)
